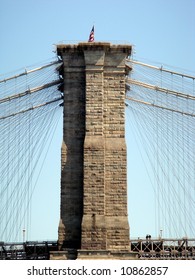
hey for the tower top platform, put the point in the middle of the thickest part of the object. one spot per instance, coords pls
(127, 47)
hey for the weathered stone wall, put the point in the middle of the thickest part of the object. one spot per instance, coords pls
(115, 150)
(93, 183)
(72, 149)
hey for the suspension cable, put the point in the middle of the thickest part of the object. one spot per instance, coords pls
(29, 91)
(157, 88)
(159, 68)
(158, 106)
(31, 108)
(29, 71)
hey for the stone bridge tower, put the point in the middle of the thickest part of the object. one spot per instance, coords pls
(94, 222)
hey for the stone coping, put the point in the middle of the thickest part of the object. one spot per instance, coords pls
(94, 45)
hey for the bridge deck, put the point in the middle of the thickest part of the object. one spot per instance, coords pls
(32, 250)
(145, 248)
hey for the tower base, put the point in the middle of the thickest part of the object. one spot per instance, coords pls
(71, 254)
(105, 255)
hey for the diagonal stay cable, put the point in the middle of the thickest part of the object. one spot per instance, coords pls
(31, 108)
(30, 71)
(30, 91)
(161, 107)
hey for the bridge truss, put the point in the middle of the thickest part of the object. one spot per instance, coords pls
(27, 250)
(165, 249)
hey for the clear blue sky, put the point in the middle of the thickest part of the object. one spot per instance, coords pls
(160, 30)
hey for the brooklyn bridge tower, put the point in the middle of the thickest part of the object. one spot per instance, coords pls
(94, 221)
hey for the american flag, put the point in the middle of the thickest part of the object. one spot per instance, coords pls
(91, 35)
